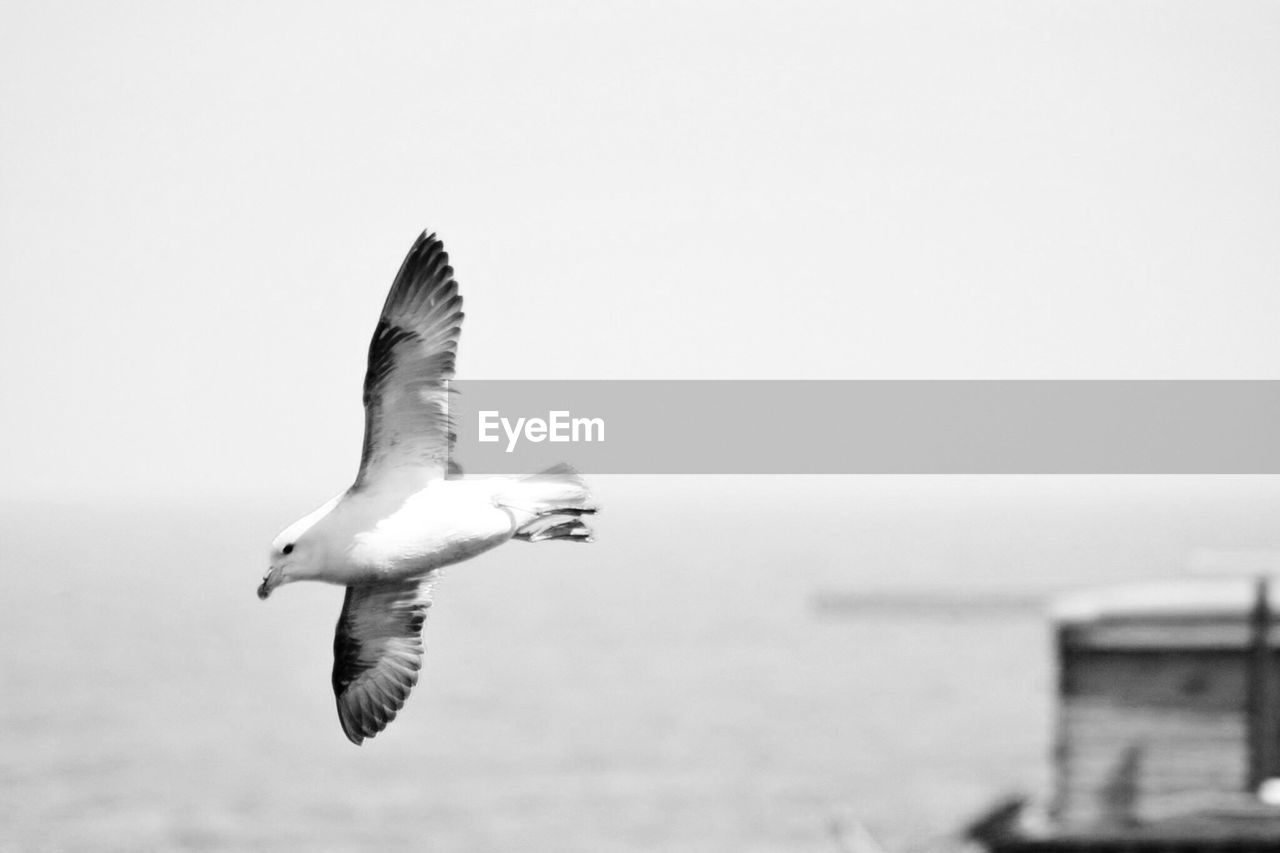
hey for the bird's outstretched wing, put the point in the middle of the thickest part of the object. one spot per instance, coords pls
(377, 652)
(411, 356)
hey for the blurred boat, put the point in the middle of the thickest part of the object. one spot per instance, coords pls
(1167, 735)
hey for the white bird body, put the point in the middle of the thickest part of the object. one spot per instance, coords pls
(388, 534)
(408, 515)
(446, 522)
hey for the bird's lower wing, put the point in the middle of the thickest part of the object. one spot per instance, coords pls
(377, 652)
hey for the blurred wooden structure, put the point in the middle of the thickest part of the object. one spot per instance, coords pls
(1166, 725)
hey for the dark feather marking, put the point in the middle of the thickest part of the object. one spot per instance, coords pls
(382, 351)
(377, 654)
(346, 651)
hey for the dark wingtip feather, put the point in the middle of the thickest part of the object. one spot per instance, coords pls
(354, 728)
(425, 239)
(426, 254)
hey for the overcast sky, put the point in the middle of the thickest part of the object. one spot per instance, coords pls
(203, 205)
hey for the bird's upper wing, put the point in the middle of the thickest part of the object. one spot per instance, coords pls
(406, 390)
(377, 652)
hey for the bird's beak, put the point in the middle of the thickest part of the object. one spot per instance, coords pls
(270, 581)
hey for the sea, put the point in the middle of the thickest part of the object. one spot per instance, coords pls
(681, 684)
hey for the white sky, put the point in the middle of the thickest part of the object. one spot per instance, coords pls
(202, 206)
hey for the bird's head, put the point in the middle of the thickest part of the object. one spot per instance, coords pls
(288, 553)
(295, 553)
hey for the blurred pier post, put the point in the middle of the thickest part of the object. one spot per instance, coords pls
(1263, 707)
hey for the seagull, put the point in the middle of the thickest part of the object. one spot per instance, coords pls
(410, 512)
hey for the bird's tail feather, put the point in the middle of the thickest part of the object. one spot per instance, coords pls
(550, 505)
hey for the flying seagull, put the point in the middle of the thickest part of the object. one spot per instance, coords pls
(408, 514)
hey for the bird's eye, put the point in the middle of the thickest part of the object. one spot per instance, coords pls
(287, 549)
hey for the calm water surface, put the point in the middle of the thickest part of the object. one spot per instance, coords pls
(669, 687)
